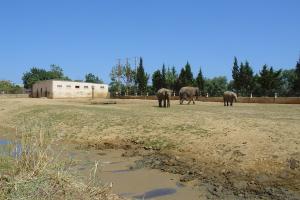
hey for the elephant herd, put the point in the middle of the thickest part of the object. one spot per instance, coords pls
(189, 94)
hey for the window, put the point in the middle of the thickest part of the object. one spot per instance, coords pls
(68, 86)
(77, 86)
(86, 87)
(102, 87)
(59, 86)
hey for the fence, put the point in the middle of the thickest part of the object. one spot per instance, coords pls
(278, 100)
(3, 96)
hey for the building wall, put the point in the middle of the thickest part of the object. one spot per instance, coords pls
(42, 89)
(68, 89)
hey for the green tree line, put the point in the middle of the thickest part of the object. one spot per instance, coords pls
(126, 80)
(267, 82)
(36, 74)
(7, 87)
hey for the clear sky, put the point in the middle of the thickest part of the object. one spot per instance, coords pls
(88, 36)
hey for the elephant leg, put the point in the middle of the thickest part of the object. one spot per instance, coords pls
(224, 103)
(164, 102)
(231, 102)
(169, 104)
(193, 100)
(159, 102)
(227, 103)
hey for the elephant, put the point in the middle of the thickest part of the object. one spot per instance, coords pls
(164, 95)
(229, 96)
(188, 94)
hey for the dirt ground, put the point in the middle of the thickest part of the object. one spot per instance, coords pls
(246, 151)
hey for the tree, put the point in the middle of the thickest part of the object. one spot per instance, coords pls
(56, 72)
(236, 75)
(242, 78)
(215, 86)
(157, 80)
(141, 78)
(288, 79)
(200, 80)
(115, 85)
(296, 85)
(269, 80)
(91, 78)
(185, 77)
(36, 74)
(128, 77)
(8, 87)
(163, 77)
(171, 77)
(181, 81)
(246, 79)
(189, 80)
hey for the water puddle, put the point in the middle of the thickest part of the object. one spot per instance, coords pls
(8, 148)
(128, 181)
(4, 142)
(156, 193)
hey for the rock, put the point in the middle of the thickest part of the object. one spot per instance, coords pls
(148, 147)
(240, 185)
(157, 162)
(223, 171)
(186, 178)
(293, 163)
(4, 178)
(284, 174)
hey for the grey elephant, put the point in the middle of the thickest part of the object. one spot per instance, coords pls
(188, 94)
(164, 95)
(229, 96)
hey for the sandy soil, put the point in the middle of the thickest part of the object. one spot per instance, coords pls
(248, 150)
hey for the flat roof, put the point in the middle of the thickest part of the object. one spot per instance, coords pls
(50, 80)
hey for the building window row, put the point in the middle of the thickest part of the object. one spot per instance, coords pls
(77, 86)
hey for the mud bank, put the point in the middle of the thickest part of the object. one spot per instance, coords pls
(125, 179)
(214, 182)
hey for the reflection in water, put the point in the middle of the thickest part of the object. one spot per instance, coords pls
(8, 148)
(156, 193)
(179, 185)
(128, 181)
(4, 142)
(121, 171)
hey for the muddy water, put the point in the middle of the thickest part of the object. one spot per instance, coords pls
(129, 182)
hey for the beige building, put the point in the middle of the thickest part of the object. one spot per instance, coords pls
(68, 89)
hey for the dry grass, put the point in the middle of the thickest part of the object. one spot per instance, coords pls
(30, 169)
(256, 138)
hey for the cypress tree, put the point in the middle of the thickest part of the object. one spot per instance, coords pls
(246, 78)
(270, 80)
(163, 76)
(200, 80)
(296, 86)
(156, 80)
(181, 82)
(142, 78)
(236, 75)
(189, 80)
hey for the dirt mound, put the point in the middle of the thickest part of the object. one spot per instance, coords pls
(225, 183)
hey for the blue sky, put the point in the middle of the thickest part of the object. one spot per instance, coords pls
(88, 36)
